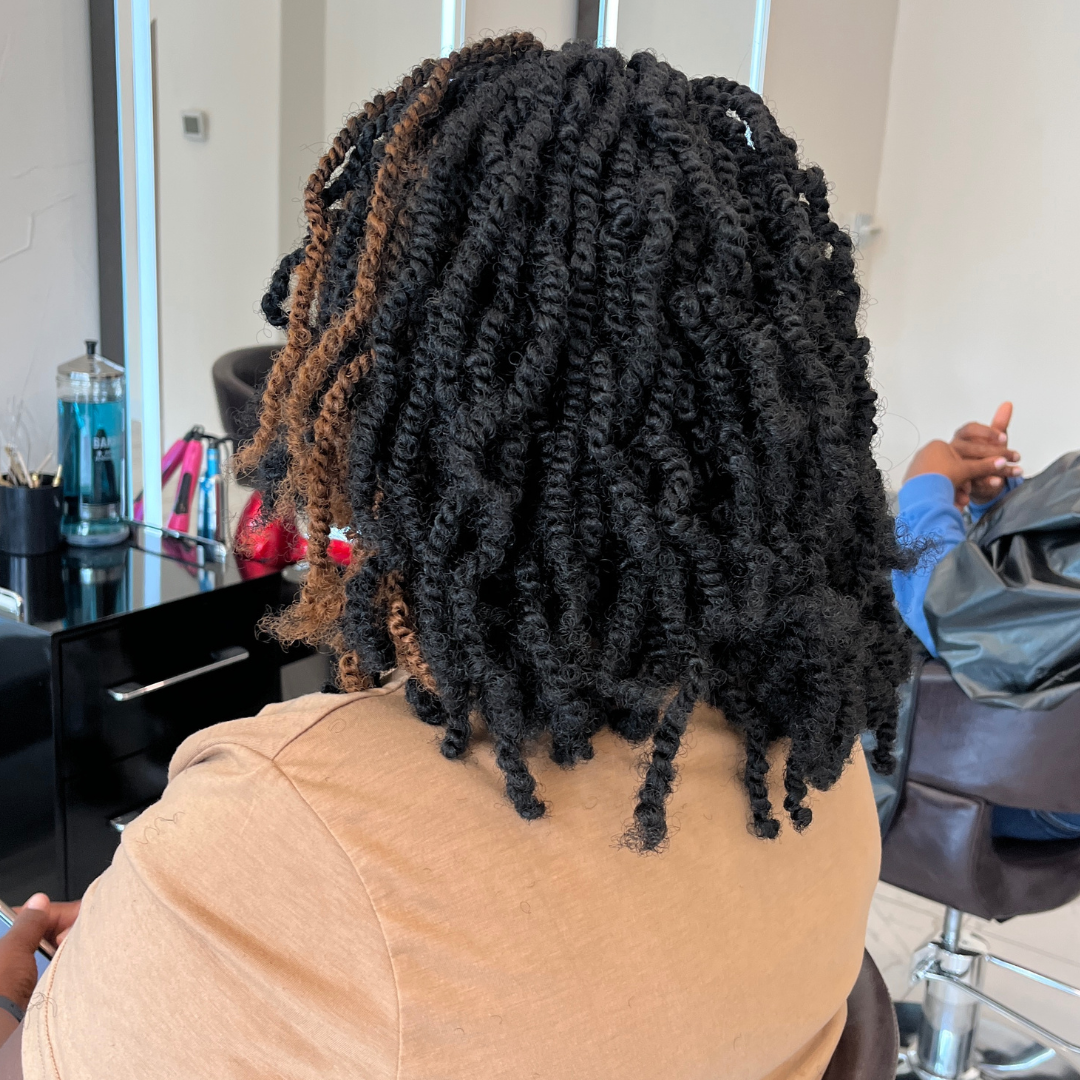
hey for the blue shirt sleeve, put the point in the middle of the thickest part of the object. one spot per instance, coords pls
(926, 511)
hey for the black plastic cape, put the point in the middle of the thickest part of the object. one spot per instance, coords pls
(1004, 611)
(1004, 606)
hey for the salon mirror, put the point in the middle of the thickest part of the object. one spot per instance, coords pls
(245, 102)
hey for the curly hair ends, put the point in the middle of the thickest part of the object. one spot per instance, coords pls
(572, 356)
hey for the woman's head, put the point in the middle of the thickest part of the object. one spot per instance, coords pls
(572, 355)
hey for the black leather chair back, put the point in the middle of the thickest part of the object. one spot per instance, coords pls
(237, 375)
(965, 758)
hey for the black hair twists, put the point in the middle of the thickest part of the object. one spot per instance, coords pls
(573, 354)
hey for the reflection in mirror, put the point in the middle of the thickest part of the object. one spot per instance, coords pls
(552, 21)
(270, 92)
(700, 37)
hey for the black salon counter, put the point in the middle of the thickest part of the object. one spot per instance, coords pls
(123, 654)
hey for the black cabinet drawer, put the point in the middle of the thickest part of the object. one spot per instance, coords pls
(28, 846)
(171, 670)
(75, 757)
(114, 748)
(93, 804)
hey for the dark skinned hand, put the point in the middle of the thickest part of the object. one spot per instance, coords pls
(38, 919)
(977, 442)
(940, 457)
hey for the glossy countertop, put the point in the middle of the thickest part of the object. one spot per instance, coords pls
(75, 587)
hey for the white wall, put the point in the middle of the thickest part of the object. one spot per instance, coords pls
(302, 110)
(827, 82)
(552, 21)
(48, 230)
(974, 282)
(700, 37)
(369, 47)
(218, 208)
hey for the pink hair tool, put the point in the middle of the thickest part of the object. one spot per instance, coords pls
(169, 462)
(186, 489)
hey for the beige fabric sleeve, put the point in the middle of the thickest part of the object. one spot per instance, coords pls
(192, 949)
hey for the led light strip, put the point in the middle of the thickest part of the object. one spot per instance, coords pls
(607, 24)
(761, 42)
(138, 231)
(453, 26)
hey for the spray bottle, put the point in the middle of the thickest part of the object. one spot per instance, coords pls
(213, 513)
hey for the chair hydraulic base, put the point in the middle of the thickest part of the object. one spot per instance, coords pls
(953, 976)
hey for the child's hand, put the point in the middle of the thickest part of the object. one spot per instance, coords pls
(978, 442)
(940, 457)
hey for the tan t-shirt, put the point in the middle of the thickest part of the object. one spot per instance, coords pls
(320, 894)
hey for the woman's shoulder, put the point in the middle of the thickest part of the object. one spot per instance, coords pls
(278, 726)
(231, 908)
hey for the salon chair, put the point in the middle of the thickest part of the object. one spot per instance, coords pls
(965, 758)
(237, 374)
(869, 1043)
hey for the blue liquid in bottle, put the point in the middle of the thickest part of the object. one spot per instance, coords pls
(90, 390)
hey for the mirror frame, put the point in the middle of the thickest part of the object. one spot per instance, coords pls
(123, 93)
(138, 268)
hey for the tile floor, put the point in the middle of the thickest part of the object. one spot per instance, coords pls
(900, 922)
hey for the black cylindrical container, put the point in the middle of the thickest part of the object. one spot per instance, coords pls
(29, 519)
(39, 580)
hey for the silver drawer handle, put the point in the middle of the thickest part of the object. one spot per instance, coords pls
(122, 821)
(11, 604)
(223, 658)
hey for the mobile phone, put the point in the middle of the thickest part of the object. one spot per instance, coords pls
(44, 952)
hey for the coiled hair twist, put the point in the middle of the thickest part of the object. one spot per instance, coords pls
(572, 353)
